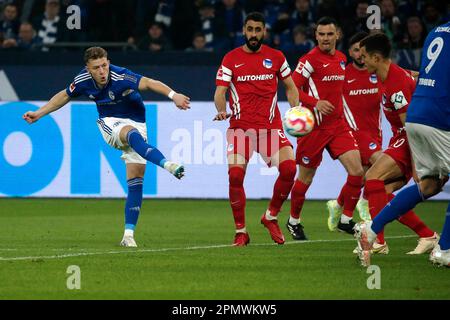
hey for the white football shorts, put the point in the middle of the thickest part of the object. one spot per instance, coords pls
(110, 129)
(430, 148)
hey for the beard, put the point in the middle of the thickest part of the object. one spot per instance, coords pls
(358, 64)
(255, 47)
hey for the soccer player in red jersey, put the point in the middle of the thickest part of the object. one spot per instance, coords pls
(320, 77)
(362, 112)
(250, 74)
(395, 163)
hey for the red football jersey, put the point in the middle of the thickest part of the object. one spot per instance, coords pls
(320, 76)
(396, 93)
(362, 100)
(252, 79)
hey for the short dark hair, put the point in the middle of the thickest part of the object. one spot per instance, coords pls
(377, 43)
(357, 37)
(326, 21)
(93, 53)
(255, 16)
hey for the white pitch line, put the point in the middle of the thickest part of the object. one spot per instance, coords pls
(127, 251)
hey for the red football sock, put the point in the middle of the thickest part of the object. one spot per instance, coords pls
(298, 194)
(350, 194)
(282, 186)
(237, 195)
(340, 199)
(412, 221)
(377, 197)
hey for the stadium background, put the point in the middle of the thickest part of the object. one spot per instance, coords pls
(77, 162)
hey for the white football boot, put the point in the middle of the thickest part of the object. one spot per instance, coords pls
(440, 257)
(128, 241)
(425, 245)
(174, 168)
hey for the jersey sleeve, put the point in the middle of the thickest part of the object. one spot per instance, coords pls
(131, 79)
(400, 100)
(74, 89)
(301, 77)
(225, 73)
(284, 71)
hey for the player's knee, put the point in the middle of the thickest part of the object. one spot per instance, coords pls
(430, 186)
(287, 170)
(236, 176)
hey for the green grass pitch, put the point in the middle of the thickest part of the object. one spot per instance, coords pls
(184, 253)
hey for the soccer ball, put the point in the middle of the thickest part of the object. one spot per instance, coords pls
(298, 121)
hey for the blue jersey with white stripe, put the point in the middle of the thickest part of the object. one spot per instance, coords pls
(430, 103)
(119, 98)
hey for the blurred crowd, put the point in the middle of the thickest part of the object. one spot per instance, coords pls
(210, 25)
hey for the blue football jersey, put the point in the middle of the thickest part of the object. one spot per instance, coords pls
(120, 98)
(430, 104)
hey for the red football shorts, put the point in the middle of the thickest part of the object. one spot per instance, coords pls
(267, 142)
(399, 151)
(337, 142)
(368, 143)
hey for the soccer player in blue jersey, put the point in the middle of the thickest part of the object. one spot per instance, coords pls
(121, 121)
(428, 130)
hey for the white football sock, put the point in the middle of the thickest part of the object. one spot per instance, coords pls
(293, 221)
(345, 219)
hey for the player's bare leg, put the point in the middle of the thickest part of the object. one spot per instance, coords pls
(130, 136)
(341, 211)
(298, 195)
(135, 175)
(284, 161)
(237, 166)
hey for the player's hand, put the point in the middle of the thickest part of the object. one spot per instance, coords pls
(324, 107)
(222, 116)
(181, 101)
(31, 116)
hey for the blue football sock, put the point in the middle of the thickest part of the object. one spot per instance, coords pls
(134, 202)
(146, 151)
(444, 242)
(405, 200)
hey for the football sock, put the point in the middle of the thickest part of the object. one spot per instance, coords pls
(405, 200)
(282, 186)
(350, 194)
(340, 199)
(237, 195)
(377, 197)
(293, 221)
(298, 194)
(133, 203)
(146, 151)
(243, 230)
(412, 221)
(345, 219)
(444, 242)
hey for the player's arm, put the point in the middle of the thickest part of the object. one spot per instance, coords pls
(291, 92)
(300, 77)
(180, 100)
(220, 101)
(56, 102)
